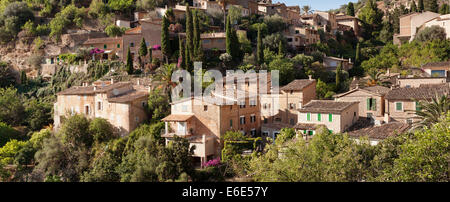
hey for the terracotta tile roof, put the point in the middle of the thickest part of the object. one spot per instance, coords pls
(381, 132)
(326, 106)
(276, 125)
(345, 17)
(177, 117)
(437, 64)
(417, 93)
(104, 40)
(129, 96)
(307, 126)
(83, 90)
(136, 30)
(298, 84)
(378, 89)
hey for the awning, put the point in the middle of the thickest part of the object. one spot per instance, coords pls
(177, 118)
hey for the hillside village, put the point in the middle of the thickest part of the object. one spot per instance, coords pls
(90, 83)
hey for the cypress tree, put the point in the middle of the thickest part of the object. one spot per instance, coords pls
(150, 55)
(421, 6)
(196, 33)
(165, 46)
(142, 52)
(413, 7)
(129, 66)
(281, 48)
(181, 53)
(358, 54)
(187, 58)
(229, 45)
(350, 9)
(338, 77)
(259, 48)
(189, 33)
(23, 77)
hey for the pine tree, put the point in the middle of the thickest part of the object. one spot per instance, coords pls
(165, 46)
(181, 53)
(129, 66)
(196, 33)
(421, 6)
(413, 7)
(350, 9)
(259, 48)
(189, 33)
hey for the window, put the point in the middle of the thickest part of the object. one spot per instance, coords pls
(319, 117)
(330, 117)
(292, 121)
(144, 104)
(118, 45)
(205, 108)
(252, 118)
(409, 121)
(131, 44)
(252, 102)
(371, 104)
(308, 116)
(418, 106)
(231, 123)
(265, 120)
(182, 127)
(99, 105)
(253, 132)
(242, 119)
(105, 46)
(242, 104)
(87, 110)
(399, 106)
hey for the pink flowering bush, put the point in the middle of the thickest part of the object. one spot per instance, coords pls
(212, 163)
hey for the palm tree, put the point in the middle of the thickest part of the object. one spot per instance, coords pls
(306, 9)
(376, 77)
(163, 78)
(431, 112)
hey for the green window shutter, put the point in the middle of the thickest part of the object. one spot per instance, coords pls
(105, 46)
(368, 103)
(308, 116)
(304, 132)
(231, 122)
(319, 117)
(418, 107)
(399, 106)
(118, 45)
(374, 104)
(330, 117)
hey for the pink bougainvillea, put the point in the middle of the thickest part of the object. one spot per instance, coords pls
(96, 51)
(213, 163)
(156, 47)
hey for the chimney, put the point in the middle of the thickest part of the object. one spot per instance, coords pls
(357, 86)
(203, 138)
(95, 88)
(138, 82)
(310, 77)
(112, 81)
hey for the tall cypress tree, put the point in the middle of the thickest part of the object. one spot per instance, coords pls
(421, 6)
(358, 54)
(187, 59)
(129, 66)
(181, 56)
(189, 33)
(281, 48)
(350, 9)
(338, 77)
(259, 48)
(150, 55)
(165, 46)
(196, 33)
(229, 45)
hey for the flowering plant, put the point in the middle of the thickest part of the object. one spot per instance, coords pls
(157, 47)
(96, 51)
(212, 163)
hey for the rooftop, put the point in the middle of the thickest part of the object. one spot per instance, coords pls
(381, 132)
(104, 40)
(83, 90)
(326, 106)
(128, 97)
(418, 93)
(298, 84)
(437, 64)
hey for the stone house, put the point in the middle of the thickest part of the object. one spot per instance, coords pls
(415, 82)
(409, 25)
(337, 116)
(376, 134)
(280, 110)
(122, 104)
(112, 47)
(331, 63)
(371, 100)
(437, 69)
(402, 103)
(150, 30)
(348, 21)
(214, 41)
